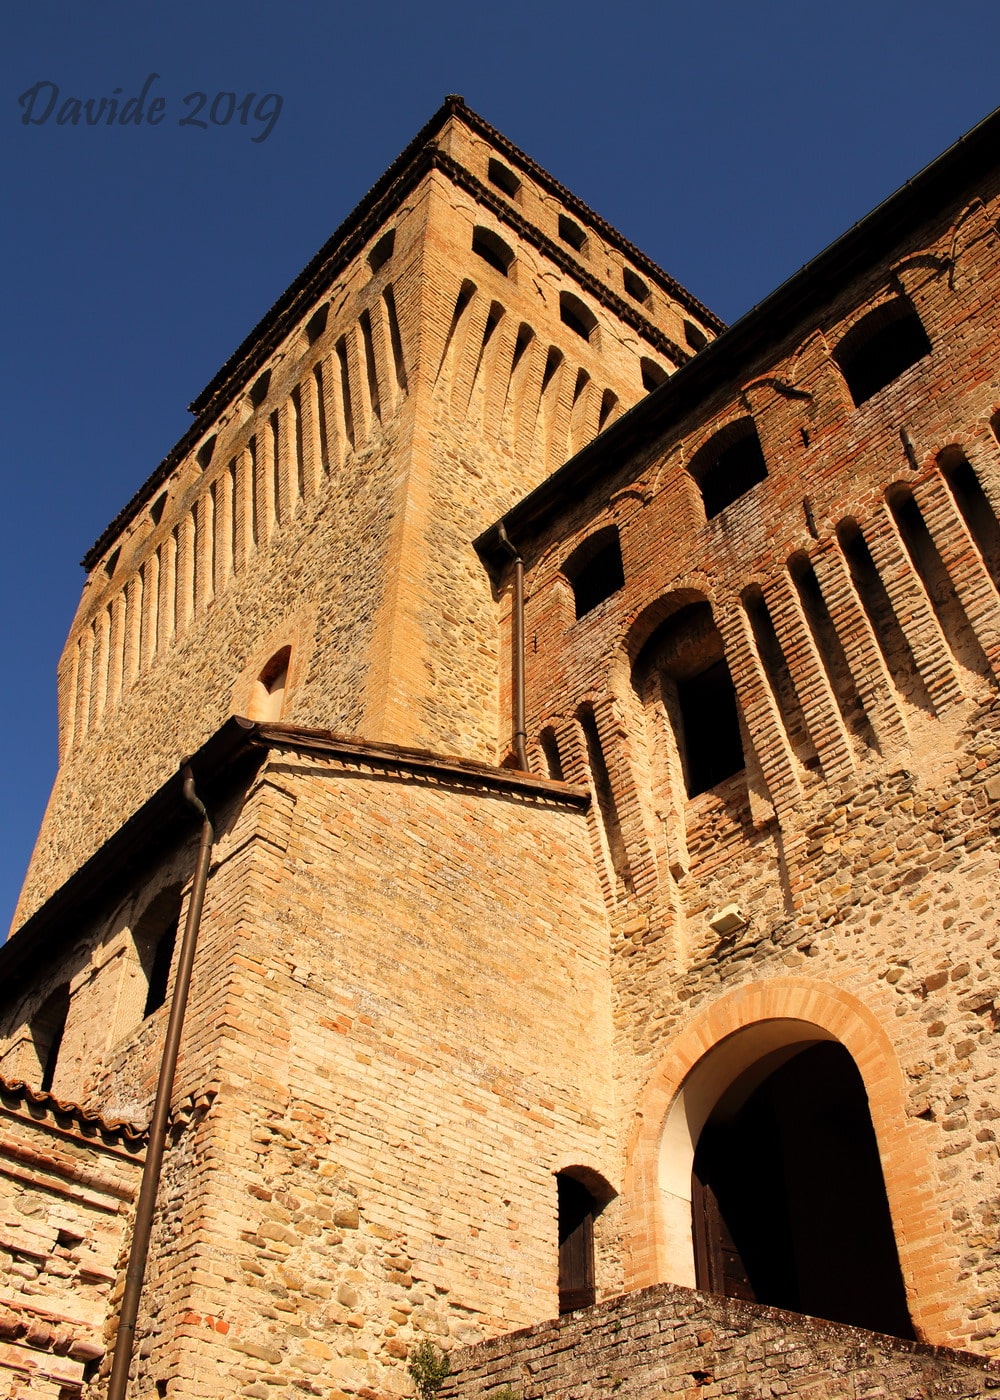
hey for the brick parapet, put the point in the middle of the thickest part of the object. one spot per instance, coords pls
(669, 1340)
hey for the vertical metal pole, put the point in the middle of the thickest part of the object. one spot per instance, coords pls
(136, 1269)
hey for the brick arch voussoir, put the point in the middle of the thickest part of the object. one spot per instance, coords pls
(918, 1220)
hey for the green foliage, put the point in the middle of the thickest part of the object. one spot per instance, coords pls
(429, 1368)
(506, 1392)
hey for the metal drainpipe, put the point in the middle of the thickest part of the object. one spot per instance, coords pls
(136, 1270)
(520, 728)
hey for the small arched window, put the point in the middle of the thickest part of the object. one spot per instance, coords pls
(492, 249)
(268, 696)
(578, 316)
(686, 659)
(653, 375)
(204, 454)
(696, 338)
(47, 1027)
(728, 465)
(503, 177)
(880, 347)
(382, 252)
(595, 570)
(316, 324)
(634, 285)
(258, 390)
(572, 233)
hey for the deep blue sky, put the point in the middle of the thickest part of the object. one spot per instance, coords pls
(731, 141)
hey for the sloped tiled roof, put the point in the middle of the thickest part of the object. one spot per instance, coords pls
(15, 1094)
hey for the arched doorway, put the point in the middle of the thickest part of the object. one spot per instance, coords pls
(581, 1194)
(788, 1202)
(717, 1044)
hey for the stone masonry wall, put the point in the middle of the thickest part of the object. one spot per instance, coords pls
(673, 1341)
(410, 1028)
(860, 842)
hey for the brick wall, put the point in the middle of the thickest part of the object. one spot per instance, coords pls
(860, 841)
(673, 1341)
(67, 1184)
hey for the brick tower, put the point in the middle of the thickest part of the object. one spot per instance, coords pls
(469, 326)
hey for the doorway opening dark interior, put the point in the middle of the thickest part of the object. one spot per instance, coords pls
(788, 1200)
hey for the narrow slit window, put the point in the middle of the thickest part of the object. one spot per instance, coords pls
(830, 649)
(395, 338)
(609, 402)
(606, 805)
(371, 369)
(553, 759)
(778, 676)
(728, 466)
(525, 335)
(974, 505)
(345, 389)
(880, 347)
(938, 585)
(319, 390)
(552, 362)
(877, 605)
